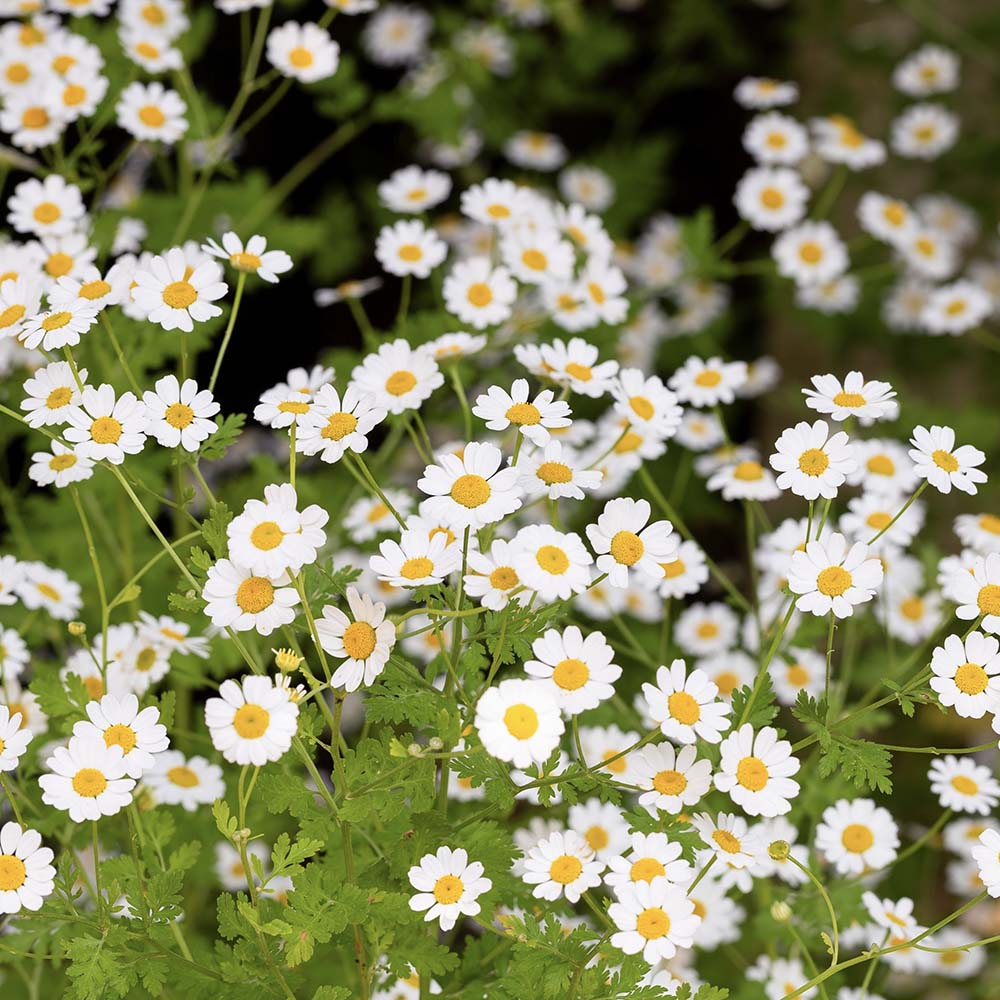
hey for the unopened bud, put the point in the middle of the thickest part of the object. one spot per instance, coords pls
(286, 660)
(435, 742)
(779, 850)
(781, 911)
(415, 750)
(77, 628)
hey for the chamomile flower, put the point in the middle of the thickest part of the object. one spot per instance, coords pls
(924, 131)
(478, 293)
(686, 706)
(238, 598)
(492, 577)
(811, 462)
(14, 739)
(409, 248)
(396, 35)
(771, 198)
(854, 397)
(872, 514)
(180, 413)
(562, 865)
(708, 383)
(88, 779)
(646, 402)
(685, 573)
(977, 593)
(810, 253)
(601, 825)
(837, 139)
(41, 586)
(884, 467)
(587, 186)
(978, 531)
(650, 856)
(105, 428)
(253, 721)
(304, 52)
(575, 364)
(59, 327)
(535, 150)
(944, 466)
(887, 219)
(963, 785)
(857, 836)
(253, 258)
(536, 256)
(670, 779)
(33, 117)
(333, 425)
(654, 919)
(705, 629)
(928, 255)
(399, 377)
(555, 471)
(796, 671)
(190, 782)
(953, 309)
(51, 393)
(14, 655)
(412, 190)
(20, 302)
(577, 671)
(624, 539)
(553, 563)
(963, 670)
(534, 419)
(363, 640)
(26, 872)
(419, 558)
(471, 491)
(152, 112)
(447, 885)
(519, 721)
(756, 771)
(50, 206)
(59, 467)
(831, 577)
(174, 295)
(119, 722)
(746, 480)
(730, 838)
(763, 92)
(932, 69)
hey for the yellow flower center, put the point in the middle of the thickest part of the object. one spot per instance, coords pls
(727, 841)
(59, 463)
(727, 682)
(534, 260)
(857, 838)
(11, 315)
(255, 594)
(147, 50)
(152, 116)
(627, 548)
(881, 465)
(797, 675)
(359, 640)
(498, 211)
(244, 261)
(400, 383)
(669, 782)
(56, 321)
(266, 536)
(251, 721)
(291, 406)
(18, 73)
(708, 379)
(13, 874)
(524, 414)
(878, 520)
(597, 838)
(912, 608)
(35, 118)
(448, 889)
(120, 735)
(814, 462)
(178, 415)
(479, 294)
(59, 264)
(416, 568)
(62, 64)
(106, 430)
(833, 581)
(554, 472)
(300, 57)
(642, 407)
(596, 292)
(179, 294)
(59, 397)
(810, 253)
(894, 213)
(672, 569)
(145, 660)
(552, 560)
(504, 578)
(339, 425)
(410, 251)
(683, 708)
(95, 289)
(616, 766)
(565, 869)
(748, 471)
(182, 776)
(772, 198)
(94, 686)
(707, 630)
(988, 522)
(470, 491)
(945, 460)
(646, 869)
(751, 773)
(153, 14)
(582, 373)
(653, 923)
(852, 399)
(989, 599)
(571, 674)
(88, 782)
(521, 721)
(47, 212)
(963, 784)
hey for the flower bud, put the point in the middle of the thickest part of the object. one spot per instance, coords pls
(779, 850)
(781, 911)
(77, 628)
(287, 660)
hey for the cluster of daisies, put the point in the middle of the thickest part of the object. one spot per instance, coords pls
(938, 290)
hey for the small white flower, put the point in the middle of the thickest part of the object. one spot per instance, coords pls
(937, 460)
(857, 836)
(253, 721)
(624, 539)
(562, 865)
(119, 722)
(868, 401)
(364, 640)
(413, 190)
(708, 383)
(963, 785)
(409, 248)
(977, 593)
(670, 779)
(105, 428)
(254, 258)
(26, 872)
(653, 918)
(239, 599)
(152, 112)
(479, 294)
(399, 377)
(175, 295)
(811, 462)
(305, 52)
(832, 578)
(810, 253)
(755, 771)
(447, 885)
(535, 419)
(771, 198)
(189, 782)
(14, 739)
(730, 838)
(686, 707)
(59, 467)
(88, 780)
(48, 206)
(986, 854)
(519, 721)
(577, 671)
(180, 414)
(59, 327)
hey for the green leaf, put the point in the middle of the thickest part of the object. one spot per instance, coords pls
(213, 529)
(863, 764)
(224, 438)
(764, 709)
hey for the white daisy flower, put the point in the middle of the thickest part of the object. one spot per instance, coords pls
(119, 722)
(756, 770)
(579, 672)
(33, 118)
(650, 856)
(986, 854)
(730, 838)
(963, 672)
(587, 186)
(500, 410)
(536, 255)
(963, 785)
(175, 295)
(563, 865)
(26, 872)
(576, 365)
(884, 467)
(746, 480)
(40, 586)
(706, 629)
(455, 345)
(771, 198)
(646, 402)
(978, 531)
(496, 202)
(553, 563)
(408, 247)
(447, 885)
(180, 414)
(88, 780)
(59, 467)
(775, 138)
(810, 253)
(239, 599)
(20, 301)
(837, 140)
(924, 131)
(857, 837)
(152, 112)
(624, 539)
(937, 460)
(519, 721)
(364, 640)
(686, 573)
(535, 150)
(708, 383)
(977, 593)
(190, 782)
(396, 35)
(51, 393)
(332, 426)
(953, 309)
(798, 670)
(304, 52)
(831, 578)
(479, 294)
(254, 258)
(272, 536)
(233, 877)
(175, 635)
(60, 327)
(50, 206)
(868, 401)
(872, 514)
(14, 655)
(686, 707)
(670, 779)
(654, 919)
(104, 428)
(555, 471)
(929, 255)
(811, 462)
(932, 69)
(416, 560)
(471, 491)
(887, 219)
(492, 577)
(413, 190)
(399, 377)
(763, 92)
(253, 721)
(14, 739)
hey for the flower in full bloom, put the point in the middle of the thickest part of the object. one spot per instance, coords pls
(937, 460)
(88, 779)
(119, 722)
(253, 258)
(180, 413)
(26, 872)
(253, 721)
(857, 836)
(174, 295)
(831, 577)
(578, 671)
(562, 865)
(624, 539)
(362, 640)
(755, 770)
(685, 706)
(654, 919)
(811, 462)
(447, 885)
(519, 721)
